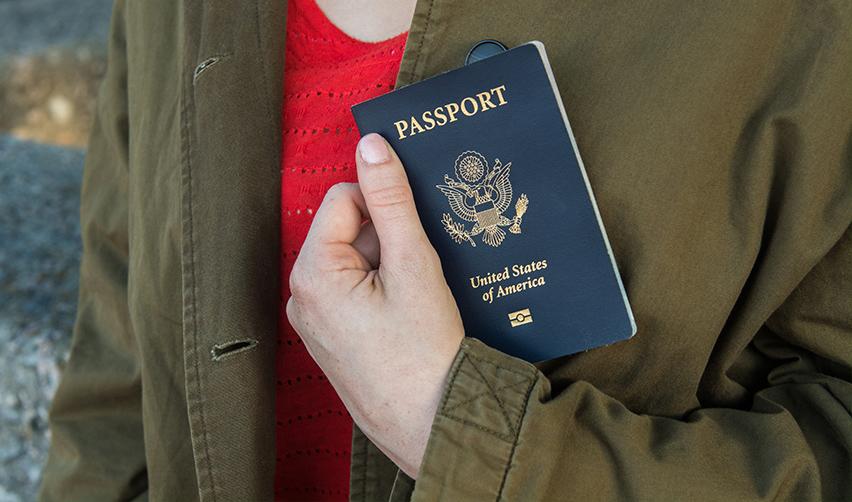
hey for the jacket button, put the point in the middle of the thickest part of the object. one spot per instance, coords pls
(482, 50)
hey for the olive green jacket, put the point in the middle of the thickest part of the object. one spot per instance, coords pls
(718, 139)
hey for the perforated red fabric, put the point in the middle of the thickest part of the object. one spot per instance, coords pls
(326, 72)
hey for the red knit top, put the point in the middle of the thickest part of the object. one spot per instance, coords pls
(326, 71)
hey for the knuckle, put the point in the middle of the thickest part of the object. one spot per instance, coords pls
(339, 257)
(344, 186)
(391, 195)
(300, 284)
(338, 189)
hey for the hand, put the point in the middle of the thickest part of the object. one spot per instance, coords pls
(370, 302)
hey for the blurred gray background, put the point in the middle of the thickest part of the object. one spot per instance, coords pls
(52, 57)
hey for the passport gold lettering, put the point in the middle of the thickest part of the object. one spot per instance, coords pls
(480, 280)
(526, 269)
(469, 109)
(450, 112)
(485, 100)
(415, 126)
(530, 282)
(499, 91)
(508, 272)
(430, 122)
(440, 117)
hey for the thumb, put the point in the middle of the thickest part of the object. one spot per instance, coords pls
(389, 200)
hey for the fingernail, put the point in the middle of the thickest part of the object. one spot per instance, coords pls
(373, 149)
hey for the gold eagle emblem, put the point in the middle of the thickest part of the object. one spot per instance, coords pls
(480, 195)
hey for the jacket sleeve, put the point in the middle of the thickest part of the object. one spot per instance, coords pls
(97, 450)
(502, 434)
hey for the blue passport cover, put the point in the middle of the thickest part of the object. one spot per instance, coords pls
(504, 198)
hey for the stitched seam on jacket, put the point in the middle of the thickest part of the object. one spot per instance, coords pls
(497, 434)
(452, 382)
(264, 70)
(526, 379)
(484, 393)
(419, 51)
(515, 442)
(525, 374)
(195, 340)
(530, 376)
(451, 386)
(196, 357)
(187, 159)
(496, 397)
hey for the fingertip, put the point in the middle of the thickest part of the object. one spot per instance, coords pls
(374, 150)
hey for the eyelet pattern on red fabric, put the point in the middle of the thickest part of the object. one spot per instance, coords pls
(326, 72)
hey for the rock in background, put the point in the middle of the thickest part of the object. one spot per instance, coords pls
(39, 252)
(49, 96)
(52, 56)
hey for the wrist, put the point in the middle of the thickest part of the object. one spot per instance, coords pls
(399, 420)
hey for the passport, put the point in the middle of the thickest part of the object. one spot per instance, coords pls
(504, 198)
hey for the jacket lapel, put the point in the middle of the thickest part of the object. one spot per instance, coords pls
(232, 79)
(231, 100)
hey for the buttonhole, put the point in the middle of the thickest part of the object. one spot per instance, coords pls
(223, 350)
(207, 63)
